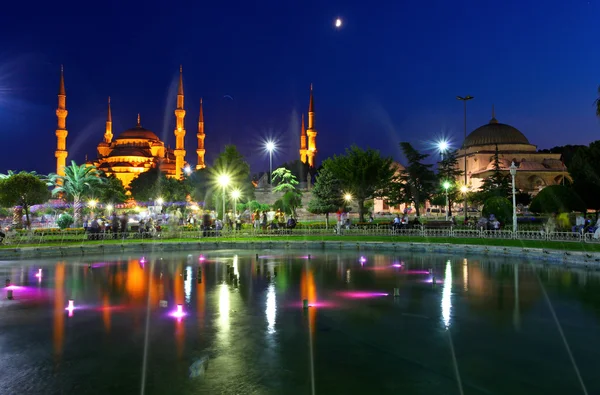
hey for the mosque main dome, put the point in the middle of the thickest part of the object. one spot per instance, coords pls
(495, 133)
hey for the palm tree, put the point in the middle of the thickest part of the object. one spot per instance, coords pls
(78, 181)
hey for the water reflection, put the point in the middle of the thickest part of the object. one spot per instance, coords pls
(465, 275)
(447, 295)
(59, 308)
(271, 309)
(224, 307)
(187, 287)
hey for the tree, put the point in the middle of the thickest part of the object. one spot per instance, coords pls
(18, 210)
(567, 152)
(418, 181)
(326, 195)
(232, 164)
(286, 182)
(557, 199)
(363, 173)
(585, 172)
(154, 184)
(78, 182)
(597, 103)
(448, 172)
(497, 184)
(500, 206)
(522, 198)
(198, 184)
(23, 189)
(299, 169)
(111, 190)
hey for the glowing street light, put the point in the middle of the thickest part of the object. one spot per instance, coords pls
(348, 197)
(464, 189)
(270, 147)
(235, 194)
(92, 203)
(223, 180)
(110, 208)
(187, 170)
(442, 147)
(160, 201)
(446, 185)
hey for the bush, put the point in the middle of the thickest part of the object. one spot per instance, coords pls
(557, 199)
(499, 206)
(64, 221)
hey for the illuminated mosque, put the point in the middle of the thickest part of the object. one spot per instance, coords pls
(135, 150)
(535, 170)
(308, 149)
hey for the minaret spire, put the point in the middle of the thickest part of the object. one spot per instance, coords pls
(61, 152)
(108, 131)
(311, 132)
(302, 141)
(200, 151)
(179, 129)
(139, 121)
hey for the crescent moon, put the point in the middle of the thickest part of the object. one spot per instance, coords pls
(227, 97)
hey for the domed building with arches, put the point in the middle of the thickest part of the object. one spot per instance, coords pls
(535, 170)
(135, 150)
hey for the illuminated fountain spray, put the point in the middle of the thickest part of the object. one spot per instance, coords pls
(179, 314)
(70, 307)
(39, 274)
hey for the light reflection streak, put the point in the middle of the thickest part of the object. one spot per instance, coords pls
(59, 305)
(235, 266)
(447, 295)
(224, 307)
(271, 310)
(465, 275)
(187, 286)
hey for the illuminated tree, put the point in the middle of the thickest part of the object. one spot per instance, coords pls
(24, 190)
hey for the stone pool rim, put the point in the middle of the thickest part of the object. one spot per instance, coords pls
(582, 259)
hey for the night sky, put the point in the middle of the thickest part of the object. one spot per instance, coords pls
(390, 74)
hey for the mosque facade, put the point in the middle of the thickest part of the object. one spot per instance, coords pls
(535, 170)
(135, 150)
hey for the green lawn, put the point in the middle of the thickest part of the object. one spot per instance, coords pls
(554, 245)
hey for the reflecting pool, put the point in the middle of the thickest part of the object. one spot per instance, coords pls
(285, 322)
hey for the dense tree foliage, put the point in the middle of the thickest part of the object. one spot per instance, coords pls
(417, 182)
(79, 182)
(363, 173)
(500, 206)
(199, 186)
(154, 184)
(286, 182)
(299, 169)
(326, 195)
(230, 163)
(585, 171)
(24, 190)
(497, 184)
(111, 189)
(557, 199)
(448, 172)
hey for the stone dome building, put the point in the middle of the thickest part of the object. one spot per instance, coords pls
(535, 170)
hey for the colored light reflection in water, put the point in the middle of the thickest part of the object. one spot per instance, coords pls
(201, 258)
(106, 312)
(362, 260)
(447, 295)
(224, 307)
(200, 296)
(235, 266)
(70, 308)
(361, 294)
(271, 309)
(187, 286)
(397, 265)
(415, 272)
(39, 274)
(59, 305)
(178, 312)
(178, 295)
(465, 275)
(308, 291)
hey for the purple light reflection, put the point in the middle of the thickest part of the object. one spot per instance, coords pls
(362, 294)
(201, 258)
(179, 314)
(416, 272)
(397, 265)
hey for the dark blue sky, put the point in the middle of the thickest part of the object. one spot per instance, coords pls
(390, 74)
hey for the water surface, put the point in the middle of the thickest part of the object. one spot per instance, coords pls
(476, 325)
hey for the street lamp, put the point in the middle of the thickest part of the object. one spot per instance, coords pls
(347, 197)
(446, 186)
(464, 189)
(223, 181)
(92, 204)
(160, 201)
(235, 194)
(270, 147)
(187, 170)
(442, 147)
(464, 100)
(513, 173)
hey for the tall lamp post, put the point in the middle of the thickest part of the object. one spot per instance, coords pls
(224, 181)
(270, 146)
(465, 100)
(446, 186)
(513, 173)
